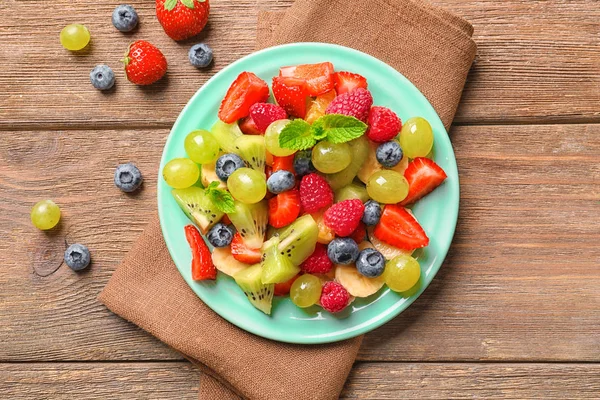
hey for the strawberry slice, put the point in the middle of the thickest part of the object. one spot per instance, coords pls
(248, 127)
(202, 265)
(284, 208)
(423, 175)
(246, 90)
(283, 288)
(291, 95)
(284, 163)
(399, 228)
(243, 253)
(318, 77)
(345, 81)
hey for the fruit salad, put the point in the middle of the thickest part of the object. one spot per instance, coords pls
(309, 196)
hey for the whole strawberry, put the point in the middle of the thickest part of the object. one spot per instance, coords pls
(182, 19)
(144, 63)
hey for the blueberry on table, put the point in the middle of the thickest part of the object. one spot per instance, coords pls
(102, 77)
(370, 263)
(125, 18)
(389, 154)
(227, 164)
(372, 213)
(220, 235)
(200, 55)
(77, 257)
(128, 177)
(281, 181)
(342, 251)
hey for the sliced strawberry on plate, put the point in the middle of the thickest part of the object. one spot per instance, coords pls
(248, 127)
(291, 95)
(284, 163)
(284, 208)
(345, 81)
(423, 175)
(318, 77)
(283, 288)
(202, 264)
(243, 253)
(399, 228)
(246, 90)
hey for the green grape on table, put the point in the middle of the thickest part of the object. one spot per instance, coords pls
(45, 215)
(416, 137)
(74, 37)
(387, 186)
(180, 173)
(247, 185)
(402, 273)
(272, 139)
(201, 147)
(330, 158)
(306, 290)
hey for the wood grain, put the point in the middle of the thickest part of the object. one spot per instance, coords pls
(538, 61)
(367, 381)
(521, 281)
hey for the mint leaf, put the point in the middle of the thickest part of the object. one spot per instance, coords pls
(222, 199)
(318, 130)
(341, 128)
(297, 135)
(188, 3)
(170, 4)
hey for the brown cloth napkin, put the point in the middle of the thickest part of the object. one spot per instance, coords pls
(431, 47)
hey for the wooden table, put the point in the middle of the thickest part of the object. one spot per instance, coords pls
(514, 311)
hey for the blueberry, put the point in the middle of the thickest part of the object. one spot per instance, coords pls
(342, 251)
(389, 154)
(125, 18)
(102, 77)
(77, 257)
(128, 177)
(200, 55)
(303, 163)
(372, 213)
(280, 181)
(220, 235)
(370, 263)
(227, 164)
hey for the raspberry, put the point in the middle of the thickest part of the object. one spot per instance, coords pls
(317, 262)
(315, 193)
(356, 103)
(344, 217)
(334, 297)
(263, 114)
(383, 123)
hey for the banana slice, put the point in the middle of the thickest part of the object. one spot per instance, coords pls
(224, 261)
(208, 175)
(356, 284)
(387, 250)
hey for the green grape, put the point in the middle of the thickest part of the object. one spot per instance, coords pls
(74, 37)
(201, 146)
(402, 273)
(45, 215)
(416, 137)
(272, 139)
(247, 185)
(330, 158)
(180, 173)
(387, 186)
(306, 290)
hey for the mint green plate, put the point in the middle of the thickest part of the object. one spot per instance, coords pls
(437, 212)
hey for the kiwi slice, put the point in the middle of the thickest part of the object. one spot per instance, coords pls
(298, 240)
(208, 175)
(352, 191)
(251, 220)
(226, 135)
(359, 150)
(198, 207)
(276, 267)
(252, 149)
(259, 294)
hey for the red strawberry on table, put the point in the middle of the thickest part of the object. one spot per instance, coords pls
(144, 63)
(345, 81)
(399, 228)
(291, 95)
(423, 175)
(246, 90)
(182, 19)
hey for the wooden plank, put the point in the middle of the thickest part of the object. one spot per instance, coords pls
(367, 381)
(524, 71)
(521, 281)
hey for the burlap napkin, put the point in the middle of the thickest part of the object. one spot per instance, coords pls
(431, 47)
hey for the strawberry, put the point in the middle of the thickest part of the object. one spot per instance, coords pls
(144, 63)
(318, 77)
(344, 217)
(284, 163)
(383, 123)
(283, 288)
(284, 208)
(356, 104)
(291, 94)
(318, 262)
(399, 228)
(359, 233)
(317, 107)
(315, 193)
(202, 265)
(246, 90)
(243, 253)
(182, 19)
(248, 127)
(423, 175)
(345, 81)
(263, 114)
